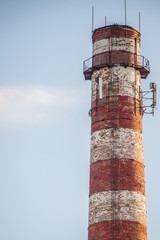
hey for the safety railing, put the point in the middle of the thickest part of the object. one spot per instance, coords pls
(87, 65)
(144, 62)
(115, 58)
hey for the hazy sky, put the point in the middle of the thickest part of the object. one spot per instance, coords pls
(44, 122)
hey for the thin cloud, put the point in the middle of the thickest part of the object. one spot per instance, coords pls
(36, 105)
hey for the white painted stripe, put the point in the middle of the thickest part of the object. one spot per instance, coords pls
(127, 205)
(129, 81)
(126, 44)
(116, 143)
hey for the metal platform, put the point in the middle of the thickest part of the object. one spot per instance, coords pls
(109, 59)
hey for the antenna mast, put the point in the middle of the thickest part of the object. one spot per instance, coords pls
(125, 9)
(139, 22)
(92, 18)
(105, 21)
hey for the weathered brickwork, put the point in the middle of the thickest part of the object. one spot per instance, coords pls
(117, 80)
(126, 113)
(108, 44)
(116, 143)
(121, 230)
(117, 204)
(128, 206)
(118, 57)
(114, 174)
(115, 31)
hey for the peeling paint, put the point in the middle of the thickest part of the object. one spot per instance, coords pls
(117, 206)
(127, 80)
(126, 44)
(116, 143)
(128, 205)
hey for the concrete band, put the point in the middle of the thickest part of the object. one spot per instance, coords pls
(123, 230)
(117, 205)
(112, 44)
(116, 143)
(117, 174)
(125, 82)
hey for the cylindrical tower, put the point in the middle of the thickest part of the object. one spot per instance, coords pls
(117, 205)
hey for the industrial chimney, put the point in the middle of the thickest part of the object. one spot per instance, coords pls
(117, 203)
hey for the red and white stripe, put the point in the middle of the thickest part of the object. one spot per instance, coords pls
(117, 204)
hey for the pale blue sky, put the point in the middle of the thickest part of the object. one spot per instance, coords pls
(44, 122)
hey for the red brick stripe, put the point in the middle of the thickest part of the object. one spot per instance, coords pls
(115, 57)
(113, 174)
(123, 230)
(115, 31)
(114, 123)
(125, 114)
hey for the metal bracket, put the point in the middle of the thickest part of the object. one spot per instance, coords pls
(149, 101)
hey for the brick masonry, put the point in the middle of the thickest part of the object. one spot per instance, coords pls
(114, 174)
(108, 44)
(116, 143)
(116, 57)
(117, 204)
(121, 230)
(128, 205)
(125, 114)
(127, 82)
(115, 31)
